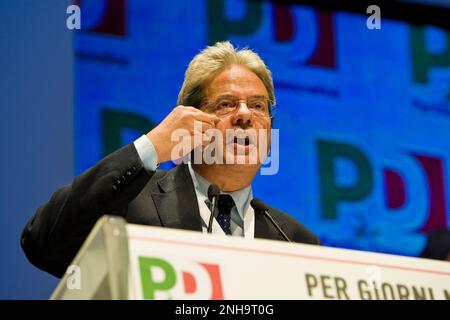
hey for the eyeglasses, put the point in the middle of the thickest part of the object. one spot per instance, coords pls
(222, 106)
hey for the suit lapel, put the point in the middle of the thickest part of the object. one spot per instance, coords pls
(176, 204)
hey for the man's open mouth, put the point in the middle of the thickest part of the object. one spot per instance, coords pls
(242, 138)
(242, 141)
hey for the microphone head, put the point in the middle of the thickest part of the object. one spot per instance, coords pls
(258, 205)
(213, 191)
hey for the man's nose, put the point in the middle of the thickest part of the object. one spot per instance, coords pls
(243, 115)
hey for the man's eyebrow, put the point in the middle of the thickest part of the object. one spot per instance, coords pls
(225, 96)
(259, 96)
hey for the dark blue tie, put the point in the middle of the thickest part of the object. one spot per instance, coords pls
(225, 204)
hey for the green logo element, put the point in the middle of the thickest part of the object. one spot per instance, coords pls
(423, 59)
(331, 192)
(221, 27)
(115, 122)
(150, 285)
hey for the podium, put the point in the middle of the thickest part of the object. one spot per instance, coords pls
(125, 261)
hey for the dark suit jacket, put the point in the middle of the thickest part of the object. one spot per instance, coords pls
(120, 185)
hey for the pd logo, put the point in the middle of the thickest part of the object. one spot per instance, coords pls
(298, 33)
(165, 279)
(424, 173)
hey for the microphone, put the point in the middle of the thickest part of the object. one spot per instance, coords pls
(260, 207)
(213, 196)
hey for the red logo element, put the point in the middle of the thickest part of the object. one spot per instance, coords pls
(190, 284)
(434, 172)
(325, 52)
(113, 18)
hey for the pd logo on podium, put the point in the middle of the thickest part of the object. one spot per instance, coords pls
(176, 278)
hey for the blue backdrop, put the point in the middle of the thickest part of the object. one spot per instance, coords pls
(364, 115)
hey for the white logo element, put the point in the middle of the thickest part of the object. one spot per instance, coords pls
(373, 277)
(74, 280)
(74, 20)
(373, 21)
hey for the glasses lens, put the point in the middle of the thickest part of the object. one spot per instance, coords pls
(223, 106)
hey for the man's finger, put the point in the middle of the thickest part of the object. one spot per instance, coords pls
(207, 117)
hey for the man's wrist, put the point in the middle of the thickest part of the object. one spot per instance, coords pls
(147, 152)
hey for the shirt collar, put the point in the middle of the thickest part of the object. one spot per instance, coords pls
(240, 197)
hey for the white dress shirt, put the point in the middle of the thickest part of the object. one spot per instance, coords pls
(242, 214)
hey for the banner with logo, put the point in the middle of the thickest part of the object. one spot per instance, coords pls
(363, 115)
(175, 264)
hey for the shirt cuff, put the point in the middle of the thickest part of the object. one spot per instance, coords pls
(147, 153)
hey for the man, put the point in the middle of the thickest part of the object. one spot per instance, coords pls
(223, 89)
